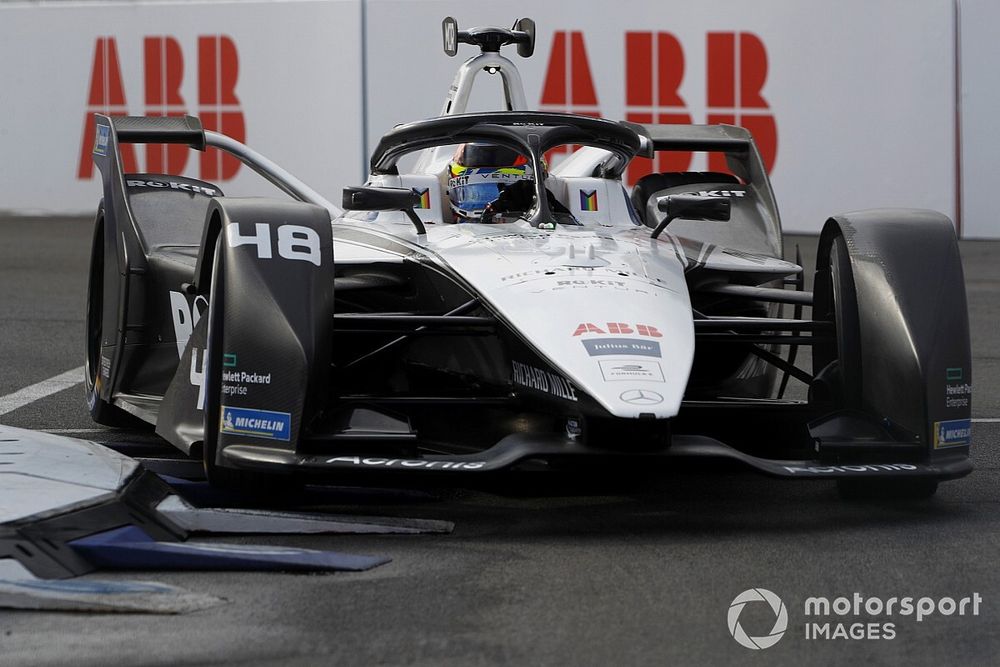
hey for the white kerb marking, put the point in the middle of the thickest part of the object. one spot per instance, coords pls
(40, 390)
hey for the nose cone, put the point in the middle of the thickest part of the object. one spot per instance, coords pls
(610, 312)
(627, 344)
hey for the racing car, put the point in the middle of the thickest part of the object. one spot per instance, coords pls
(479, 305)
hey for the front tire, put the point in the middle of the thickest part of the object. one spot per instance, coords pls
(101, 411)
(246, 482)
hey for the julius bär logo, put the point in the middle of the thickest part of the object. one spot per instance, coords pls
(751, 596)
(163, 73)
(736, 72)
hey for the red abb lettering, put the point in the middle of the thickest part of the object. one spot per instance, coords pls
(654, 70)
(587, 327)
(218, 106)
(619, 328)
(647, 330)
(735, 81)
(107, 96)
(569, 86)
(164, 72)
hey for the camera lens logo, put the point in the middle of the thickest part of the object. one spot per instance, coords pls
(780, 618)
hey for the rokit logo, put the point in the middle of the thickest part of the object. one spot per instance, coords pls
(218, 107)
(736, 71)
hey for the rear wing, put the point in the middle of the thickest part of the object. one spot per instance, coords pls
(159, 130)
(113, 131)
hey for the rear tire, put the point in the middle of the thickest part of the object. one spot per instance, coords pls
(101, 411)
(247, 482)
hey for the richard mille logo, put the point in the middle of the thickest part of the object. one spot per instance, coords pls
(641, 397)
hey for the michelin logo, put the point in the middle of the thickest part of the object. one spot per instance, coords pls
(954, 433)
(256, 423)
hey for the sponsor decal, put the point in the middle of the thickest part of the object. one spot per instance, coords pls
(229, 360)
(173, 185)
(425, 198)
(641, 397)
(265, 424)
(101, 140)
(592, 282)
(956, 395)
(541, 380)
(719, 193)
(626, 347)
(588, 200)
(618, 329)
(630, 369)
(954, 433)
(234, 383)
(780, 618)
(871, 467)
(105, 367)
(405, 463)
(294, 242)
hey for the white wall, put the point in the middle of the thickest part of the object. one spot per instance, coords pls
(861, 92)
(980, 103)
(298, 86)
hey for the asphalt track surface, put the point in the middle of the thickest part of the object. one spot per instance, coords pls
(577, 576)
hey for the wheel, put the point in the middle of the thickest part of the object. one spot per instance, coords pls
(101, 411)
(248, 482)
(837, 365)
(917, 488)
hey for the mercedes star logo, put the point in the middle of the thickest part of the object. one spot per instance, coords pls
(641, 397)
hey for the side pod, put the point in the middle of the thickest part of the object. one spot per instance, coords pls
(893, 282)
(268, 269)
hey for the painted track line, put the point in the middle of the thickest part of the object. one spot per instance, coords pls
(986, 420)
(40, 390)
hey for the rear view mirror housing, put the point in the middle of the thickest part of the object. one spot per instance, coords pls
(371, 198)
(692, 207)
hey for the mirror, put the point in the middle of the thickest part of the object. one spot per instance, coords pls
(692, 207)
(371, 198)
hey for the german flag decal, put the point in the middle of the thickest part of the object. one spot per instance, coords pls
(588, 200)
(425, 198)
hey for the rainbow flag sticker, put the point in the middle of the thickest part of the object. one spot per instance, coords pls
(588, 200)
(425, 198)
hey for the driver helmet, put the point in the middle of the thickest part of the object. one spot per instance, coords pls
(478, 173)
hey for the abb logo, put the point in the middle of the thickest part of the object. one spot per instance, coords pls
(654, 71)
(163, 73)
(619, 328)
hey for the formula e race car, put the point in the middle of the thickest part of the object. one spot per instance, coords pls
(490, 308)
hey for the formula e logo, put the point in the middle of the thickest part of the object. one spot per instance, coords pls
(780, 618)
(294, 241)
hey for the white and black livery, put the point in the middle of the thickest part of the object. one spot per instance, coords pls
(574, 322)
